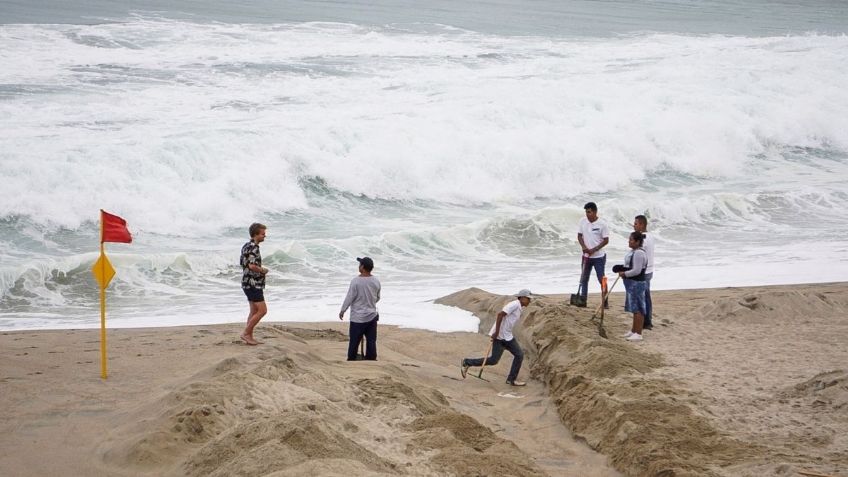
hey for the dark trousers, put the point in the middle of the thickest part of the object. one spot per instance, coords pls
(498, 348)
(369, 331)
(598, 264)
(648, 307)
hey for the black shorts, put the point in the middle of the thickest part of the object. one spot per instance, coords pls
(254, 294)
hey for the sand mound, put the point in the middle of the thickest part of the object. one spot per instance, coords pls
(605, 395)
(770, 307)
(823, 391)
(282, 412)
(480, 302)
(694, 399)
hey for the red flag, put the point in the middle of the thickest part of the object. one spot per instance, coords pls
(114, 228)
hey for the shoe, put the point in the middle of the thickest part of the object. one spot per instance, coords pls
(516, 383)
(634, 337)
(463, 368)
(628, 334)
(649, 327)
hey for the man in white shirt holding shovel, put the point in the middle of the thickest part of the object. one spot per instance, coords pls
(503, 339)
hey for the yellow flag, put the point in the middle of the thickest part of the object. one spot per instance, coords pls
(103, 271)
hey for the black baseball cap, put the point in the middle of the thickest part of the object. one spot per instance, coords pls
(366, 263)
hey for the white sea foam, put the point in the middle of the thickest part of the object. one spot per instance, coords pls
(163, 119)
(454, 158)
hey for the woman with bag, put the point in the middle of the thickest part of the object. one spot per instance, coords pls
(633, 273)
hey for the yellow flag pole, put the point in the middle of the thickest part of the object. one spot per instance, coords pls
(102, 305)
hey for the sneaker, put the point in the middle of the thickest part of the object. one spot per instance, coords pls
(629, 334)
(463, 368)
(516, 383)
(648, 327)
(634, 337)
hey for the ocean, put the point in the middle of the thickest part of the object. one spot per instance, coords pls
(455, 143)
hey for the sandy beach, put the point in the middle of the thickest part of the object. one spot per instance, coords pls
(730, 382)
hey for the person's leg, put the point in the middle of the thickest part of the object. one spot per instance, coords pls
(638, 321)
(371, 340)
(599, 264)
(259, 313)
(628, 304)
(584, 277)
(518, 358)
(356, 331)
(259, 309)
(251, 312)
(648, 307)
(497, 352)
(639, 298)
(637, 303)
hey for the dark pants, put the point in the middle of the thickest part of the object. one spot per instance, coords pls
(357, 331)
(598, 264)
(498, 348)
(648, 307)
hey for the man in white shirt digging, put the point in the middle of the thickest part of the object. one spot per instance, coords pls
(502, 339)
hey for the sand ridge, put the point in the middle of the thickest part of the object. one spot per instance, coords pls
(731, 382)
(735, 381)
(194, 401)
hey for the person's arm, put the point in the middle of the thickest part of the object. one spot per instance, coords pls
(498, 321)
(582, 245)
(252, 265)
(638, 264)
(257, 269)
(351, 294)
(603, 244)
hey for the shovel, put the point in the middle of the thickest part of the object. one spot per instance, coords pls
(485, 358)
(601, 330)
(577, 298)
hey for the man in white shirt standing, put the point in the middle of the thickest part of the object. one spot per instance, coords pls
(593, 235)
(503, 339)
(640, 224)
(362, 297)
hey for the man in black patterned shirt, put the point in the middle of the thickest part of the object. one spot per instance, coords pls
(253, 281)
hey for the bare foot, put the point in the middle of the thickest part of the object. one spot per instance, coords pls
(249, 340)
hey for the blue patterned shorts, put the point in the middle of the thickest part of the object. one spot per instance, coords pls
(635, 296)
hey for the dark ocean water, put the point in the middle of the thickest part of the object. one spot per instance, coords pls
(506, 17)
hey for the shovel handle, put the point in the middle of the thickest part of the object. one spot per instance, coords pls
(604, 296)
(486, 358)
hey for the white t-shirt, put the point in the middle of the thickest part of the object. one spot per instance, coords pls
(648, 245)
(513, 313)
(593, 234)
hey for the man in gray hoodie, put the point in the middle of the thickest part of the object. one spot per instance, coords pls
(362, 298)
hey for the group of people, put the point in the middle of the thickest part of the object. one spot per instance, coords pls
(637, 270)
(362, 297)
(593, 236)
(364, 292)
